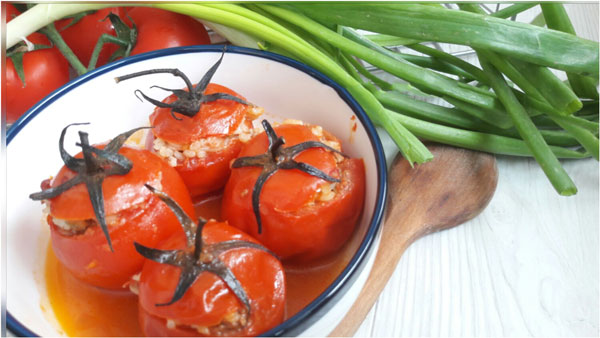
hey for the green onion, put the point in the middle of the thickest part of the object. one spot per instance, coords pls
(580, 122)
(453, 117)
(475, 140)
(512, 73)
(406, 104)
(426, 111)
(428, 62)
(539, 81)
(451, 59)
(556, 18)
(585, 137)
(389, 40)
(424, 79)
(512, 10)
(559, 95)
(588, 122)
(41, 15)
(523, 41)
(499, 119)
(540, 150)
(351, 65)
(546, 86)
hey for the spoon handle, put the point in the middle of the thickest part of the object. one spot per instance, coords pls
(388, 255)
(449, 190)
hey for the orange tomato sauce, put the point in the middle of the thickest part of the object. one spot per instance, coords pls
(86, 311)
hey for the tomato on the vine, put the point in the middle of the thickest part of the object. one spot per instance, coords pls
(159, 28)
(302, 198)
(44, 70)
(81, 34)
(99, 249)
(239, 289)
(156, 29)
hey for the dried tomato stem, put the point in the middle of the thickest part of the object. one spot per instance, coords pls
(204, 258)
(96, 165)
(188, 102)
(277, 157)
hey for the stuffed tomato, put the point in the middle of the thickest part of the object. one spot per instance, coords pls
(97, 207)
(295, 191)
(209, 280)
(199, 130)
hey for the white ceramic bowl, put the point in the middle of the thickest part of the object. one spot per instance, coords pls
(284, 87)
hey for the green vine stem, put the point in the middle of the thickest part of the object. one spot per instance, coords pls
(41, 15)
(55, 37)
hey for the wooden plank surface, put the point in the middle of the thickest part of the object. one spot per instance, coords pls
(527, 266)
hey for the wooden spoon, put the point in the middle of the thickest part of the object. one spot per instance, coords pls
(449, 190)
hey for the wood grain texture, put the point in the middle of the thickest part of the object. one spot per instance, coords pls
(452, 188)
(527, 266)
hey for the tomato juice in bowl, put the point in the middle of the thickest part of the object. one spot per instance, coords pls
(319, 295)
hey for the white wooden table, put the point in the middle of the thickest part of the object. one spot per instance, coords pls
(527, 266)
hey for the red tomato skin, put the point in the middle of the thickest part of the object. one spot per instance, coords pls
(288, 190)
(210, 173)
(11, 12)
(82, 36)
(146, 220)
(296, 229)
(217, 118)
(209, 299)
(120, 191)
(45, 71)
(158, 29)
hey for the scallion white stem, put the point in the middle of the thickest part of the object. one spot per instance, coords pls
(41, 15)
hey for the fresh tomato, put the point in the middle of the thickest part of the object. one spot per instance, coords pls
(303, 216)
(209, 307)
(133, 213)
(213, 135)
(83, 35)
(45, 70)
(158, 29)
(11, 12)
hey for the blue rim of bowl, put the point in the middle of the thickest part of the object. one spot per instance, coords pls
(328, 298)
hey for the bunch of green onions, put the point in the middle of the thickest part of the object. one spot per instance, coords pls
(513, 105)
